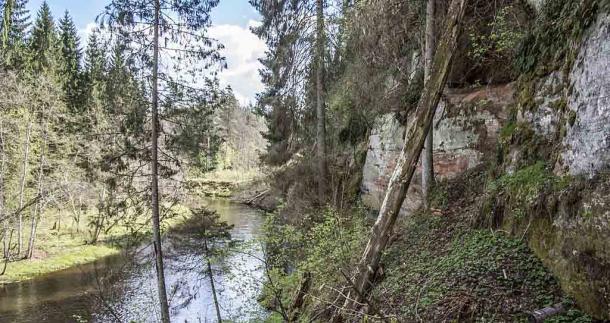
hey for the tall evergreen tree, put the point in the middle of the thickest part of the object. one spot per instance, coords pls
(95, 80)
(95, 58)
(70, 62)
(43, 43)
(15, 23)
(184, 22)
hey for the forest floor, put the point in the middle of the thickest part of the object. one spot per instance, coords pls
(58, 249)
(455, 271)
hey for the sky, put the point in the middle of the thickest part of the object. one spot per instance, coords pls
(231, 21)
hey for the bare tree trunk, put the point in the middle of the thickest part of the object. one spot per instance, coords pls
(320, 109)
(155, 171)
(99, 220)
(26, 156)
(5, 229)
(38, 208)
(427, 178)
(407, 162)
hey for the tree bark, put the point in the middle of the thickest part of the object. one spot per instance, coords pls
(164, 306)
(299, 298)
(407, 161)
(5, 229)
(38, 208)
(320, 109)
(427, 178)
(26, 157)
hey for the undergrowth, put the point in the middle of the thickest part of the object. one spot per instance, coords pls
(441, 269)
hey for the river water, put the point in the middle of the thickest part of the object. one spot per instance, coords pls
(123, 288)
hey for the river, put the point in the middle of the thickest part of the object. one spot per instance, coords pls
(122, 288)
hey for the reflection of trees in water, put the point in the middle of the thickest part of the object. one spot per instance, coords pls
(125, 291)
(124, 288)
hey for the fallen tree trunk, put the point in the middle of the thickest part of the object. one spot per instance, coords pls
(539, 316)
(407, 162)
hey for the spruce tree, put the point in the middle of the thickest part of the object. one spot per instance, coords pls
(15, 23)
(43, 43)
(95, 60)
(70, 63)
(183, 22)
(95, 80)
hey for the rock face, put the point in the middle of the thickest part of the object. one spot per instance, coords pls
(466, 127)
(577, 109)
(570, 229)
(587, 143)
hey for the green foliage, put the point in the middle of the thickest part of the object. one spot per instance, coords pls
(70, 63)
(439, 196)
(43, 44)
(524, 187)
(443, 270)
(553, 40)
(15, 23)
(500, 40)
(328, 246)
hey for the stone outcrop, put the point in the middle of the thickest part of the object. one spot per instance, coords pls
(466, 128)
(587, 142)
(567, 228)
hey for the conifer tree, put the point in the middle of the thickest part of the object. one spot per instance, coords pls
(15, 23)
(70, 63)
(95, 59)
(184, 23)
(43, 43)
(95, 78)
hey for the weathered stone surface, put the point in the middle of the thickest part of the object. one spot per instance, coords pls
(574, 243)
(545, 118)
(587, 144)
(570, 229)
(466, 126)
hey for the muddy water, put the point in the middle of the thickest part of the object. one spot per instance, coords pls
(123, 289)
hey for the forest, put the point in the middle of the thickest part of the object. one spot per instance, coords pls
(398, 161)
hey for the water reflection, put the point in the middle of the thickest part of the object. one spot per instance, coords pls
(123, 288)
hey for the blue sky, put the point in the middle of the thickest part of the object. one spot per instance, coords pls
(233, 12)
(231, 22)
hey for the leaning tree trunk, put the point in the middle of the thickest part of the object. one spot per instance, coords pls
(407, 161)
(24, 173)
(320, 109)
(155, 171)
(427, 161)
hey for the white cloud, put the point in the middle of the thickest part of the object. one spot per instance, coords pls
(86, 32)
(242, 50)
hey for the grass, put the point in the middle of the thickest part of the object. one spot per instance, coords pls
(71, 256)
(67, 247)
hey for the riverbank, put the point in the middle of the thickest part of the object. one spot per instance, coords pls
(239, 186)
(59, 247)
(123, 287)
